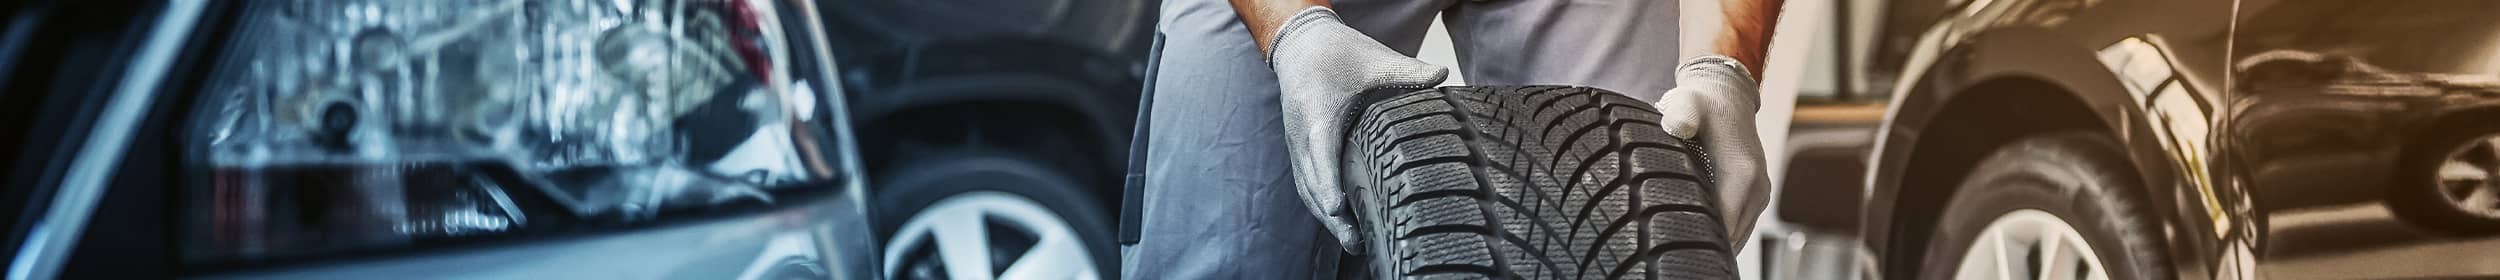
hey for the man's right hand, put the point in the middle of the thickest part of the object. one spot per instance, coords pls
(1322, 64)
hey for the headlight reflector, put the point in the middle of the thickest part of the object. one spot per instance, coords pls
(368, 124)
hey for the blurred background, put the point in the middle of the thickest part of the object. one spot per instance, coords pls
(2162, 139)
(872, 139)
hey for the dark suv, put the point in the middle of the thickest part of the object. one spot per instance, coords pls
(2142, 139)
(994, 132)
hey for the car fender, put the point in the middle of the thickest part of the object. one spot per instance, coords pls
(1992, 55)
(1100, 88)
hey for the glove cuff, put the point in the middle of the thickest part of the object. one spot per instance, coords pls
(1721, 74)
(1720, 63)
(1300, 20)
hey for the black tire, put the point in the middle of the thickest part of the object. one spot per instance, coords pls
(2416, 195)
(1537, 182)
(2077, 177)
(916, 187)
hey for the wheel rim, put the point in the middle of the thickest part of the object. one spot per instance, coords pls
(2466, 177)
(987, 235)
(2030, 244)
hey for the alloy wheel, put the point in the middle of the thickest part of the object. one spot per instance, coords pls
(2466, 177)
(987, 235)
(2030, 244)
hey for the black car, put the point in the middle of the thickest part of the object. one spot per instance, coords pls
(562, 139)
(2137, 139)
(994, 132)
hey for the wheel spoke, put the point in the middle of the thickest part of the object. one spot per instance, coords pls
(1972, 264)
(2085, 264)
(2480, 198)
(2004, 270)
(2050, 256)
(971, 231)
(2470, 177)
(963, 243)
(2030, 244)
(1054, 257)
(2460, 170)
(2489, 190)
(2491, 147)
(2469, 186)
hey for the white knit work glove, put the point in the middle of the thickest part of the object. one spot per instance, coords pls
(1715, 99)
(1321, 65)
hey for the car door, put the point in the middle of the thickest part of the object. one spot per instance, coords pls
(2332, 102)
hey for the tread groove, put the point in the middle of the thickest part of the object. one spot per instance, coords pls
(1492, 220)
(1543, 182)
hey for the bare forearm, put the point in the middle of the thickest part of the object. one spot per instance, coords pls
(1263, 17)
(1746, 32)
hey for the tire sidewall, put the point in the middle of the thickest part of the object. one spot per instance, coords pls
(2070, 176)
(1370, 213)
(918, 186)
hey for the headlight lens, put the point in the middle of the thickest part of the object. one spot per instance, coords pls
(356, 125)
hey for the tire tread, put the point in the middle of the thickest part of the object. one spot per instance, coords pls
(1544, 182)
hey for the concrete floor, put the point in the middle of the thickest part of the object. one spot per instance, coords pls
(2365, 241)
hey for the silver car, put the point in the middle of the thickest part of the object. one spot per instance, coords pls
(452, 139)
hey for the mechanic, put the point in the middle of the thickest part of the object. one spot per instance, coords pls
(1231, 183)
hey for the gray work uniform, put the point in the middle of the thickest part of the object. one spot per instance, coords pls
(1217, 194)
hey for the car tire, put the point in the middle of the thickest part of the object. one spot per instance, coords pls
(1537, 182)
(2418, 197)
(1017, 206)
(2074, 181)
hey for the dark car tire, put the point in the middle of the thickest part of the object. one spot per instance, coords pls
(1537, 182)
(2416, 197)
(914, 188)
(2078, 177)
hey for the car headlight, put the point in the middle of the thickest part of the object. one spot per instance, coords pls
(372, 124)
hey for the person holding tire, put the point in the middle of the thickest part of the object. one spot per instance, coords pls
(1231, 184)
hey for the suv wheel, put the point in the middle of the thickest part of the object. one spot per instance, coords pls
(2031, 243)
(2454, 184)
(2040, 207)
(979, 217)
